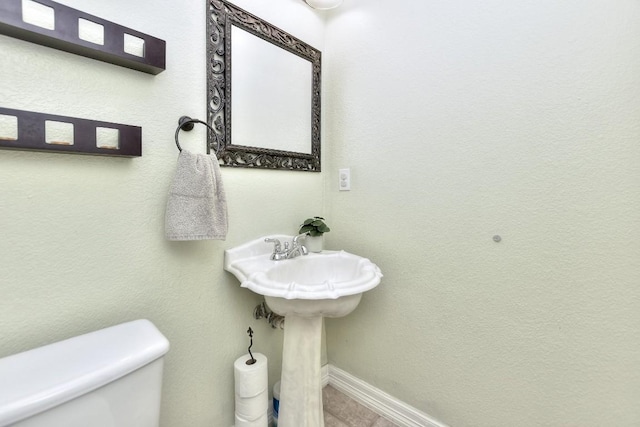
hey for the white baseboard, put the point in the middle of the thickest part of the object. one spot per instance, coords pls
(377, 400)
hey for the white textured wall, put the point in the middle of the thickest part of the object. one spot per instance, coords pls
(81, 237)
(461, 120)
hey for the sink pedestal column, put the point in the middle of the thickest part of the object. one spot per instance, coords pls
(301, 382)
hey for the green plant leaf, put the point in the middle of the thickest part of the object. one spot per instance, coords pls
(306, 229)
(314, 226)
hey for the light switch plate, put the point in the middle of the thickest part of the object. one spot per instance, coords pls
(344, 179)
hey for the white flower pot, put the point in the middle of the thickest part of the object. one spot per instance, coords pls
(314, 243)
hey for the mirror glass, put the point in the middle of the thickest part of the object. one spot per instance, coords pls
(263, 97)
(279, 100)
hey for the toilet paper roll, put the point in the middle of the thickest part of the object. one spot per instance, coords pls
(251, 408)
(251, 380)
(90, 31)
(133, 45)
(263, 421)
(38, 14)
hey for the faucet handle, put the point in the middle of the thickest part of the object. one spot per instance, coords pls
(276, 243)
(277, 248)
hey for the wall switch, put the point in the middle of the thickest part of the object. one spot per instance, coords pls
(344, 179)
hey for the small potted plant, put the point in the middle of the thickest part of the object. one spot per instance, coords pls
(314, 228)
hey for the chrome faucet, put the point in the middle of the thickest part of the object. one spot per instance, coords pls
(280, 253)
(297, 248)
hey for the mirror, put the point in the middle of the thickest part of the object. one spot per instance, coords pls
(263, 93)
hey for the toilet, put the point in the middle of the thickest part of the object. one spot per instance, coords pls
(107, 378)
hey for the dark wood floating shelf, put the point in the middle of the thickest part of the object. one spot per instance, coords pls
(65, 35)
(73, 135)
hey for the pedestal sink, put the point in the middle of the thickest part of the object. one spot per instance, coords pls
(304, 290)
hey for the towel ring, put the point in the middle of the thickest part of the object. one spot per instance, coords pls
(186, 123)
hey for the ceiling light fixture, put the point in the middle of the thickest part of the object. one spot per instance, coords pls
(323, 4)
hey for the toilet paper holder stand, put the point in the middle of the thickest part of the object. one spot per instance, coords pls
(252, 360)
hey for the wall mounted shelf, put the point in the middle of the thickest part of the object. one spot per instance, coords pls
(27, 130)
(54, 25)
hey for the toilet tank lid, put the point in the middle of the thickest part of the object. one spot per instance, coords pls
(39, 379)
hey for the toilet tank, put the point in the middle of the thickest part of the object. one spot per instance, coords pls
(107, 378)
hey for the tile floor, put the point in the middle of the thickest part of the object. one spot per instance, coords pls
(342, 411)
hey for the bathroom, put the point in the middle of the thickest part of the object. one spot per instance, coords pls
(493, 149)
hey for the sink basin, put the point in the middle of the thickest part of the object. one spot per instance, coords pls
(338, 307)
(317, 276)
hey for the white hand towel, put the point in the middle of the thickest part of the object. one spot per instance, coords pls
(197, 205)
